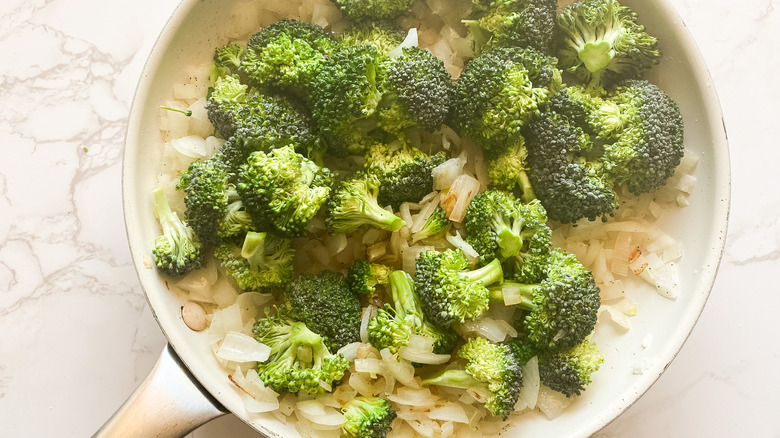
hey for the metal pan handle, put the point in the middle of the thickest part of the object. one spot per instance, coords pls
(169, 403)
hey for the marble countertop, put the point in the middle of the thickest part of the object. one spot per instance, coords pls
(78, 335)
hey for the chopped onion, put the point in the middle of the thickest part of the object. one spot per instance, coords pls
(529, 393)
(494, 330)
(449, 411)
(422, 357)
(552, 403)
(238, 347)
(192, 146)
(445, 174)
(254, 394)
(400, 369)
(458, 242)
(370, 366)
(368, 313)
(349, 351)
(411, 40)
(413, 397)
(458, 197)
(320, 414)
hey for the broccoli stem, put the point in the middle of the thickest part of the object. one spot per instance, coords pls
(454, 379)
(176, 110)
(378, 217)
(253, 249)
(514, 293)
(170, 223)
(406, 304)
(488, 274)
(526, 191)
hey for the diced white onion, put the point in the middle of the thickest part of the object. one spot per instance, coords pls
(552, 402)
(413, 397)
(349, 351)
(529, 393)
(255, 396)
(445, 174)
(422, 357)
(238, 347)
(449, 411)
(411, 40)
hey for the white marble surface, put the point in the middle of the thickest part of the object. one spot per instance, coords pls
(76, 334)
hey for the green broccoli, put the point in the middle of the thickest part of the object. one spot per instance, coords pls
(287, 54)
(450, 292)
(508, 170)
(354, 206)
(282, 190)
(501, 91)
(225, 62)
(177, 250)
(592, 141)
(368, 417)
(289, 371)
(499, 226)
(393, 325)
(650, 145)
(345, 98)
(600, 42)
(491, 370)
(436, 224)
(566, 171)
(206, 185)
(569, 371)
(561, 309)
(364, 276)
(251, 121)
(384, 35)
(360, 10)
(326, 304)
(417, 92)
(263, 263)
(227, 103)
(405, 174)
(521, 23)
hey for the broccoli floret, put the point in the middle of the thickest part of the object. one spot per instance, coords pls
(650, 146)
(569, 371)
(499, 92)
(385, 35)
(450, 292)
(521, 23)
(282, 190)
(206, 185)
(491, 371)
(600, 42)
(566, 171)
(345, 98)
(287, 370)
(364, 276)
(263, 263)
(177, 250)
(436, 224)
(326, 304)
(368, 417)
(416, 94)
(593, 141)
(499, 226)
(226, 61)
(354, 206)
(359, 10)
(405, 174)
(393, 325)
(287, 54)
(508, 170)
(561, 309)
(227, 103)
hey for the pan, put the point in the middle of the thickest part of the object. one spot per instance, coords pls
(188, 387)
